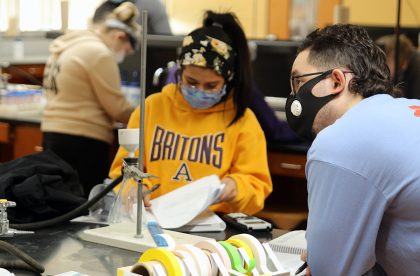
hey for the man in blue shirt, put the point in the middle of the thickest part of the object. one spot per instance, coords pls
(363, 166)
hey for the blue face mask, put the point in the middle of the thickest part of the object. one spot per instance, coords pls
(201, 99)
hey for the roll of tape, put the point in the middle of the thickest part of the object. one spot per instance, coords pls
(187, 259)
(155, 230)
(257, 250)
(159, 270)
(146, 268)
(235, 258)
(165, 257)
(213, 264)
(241, 244)
(215, 247)
(182, 265)
(200, 258)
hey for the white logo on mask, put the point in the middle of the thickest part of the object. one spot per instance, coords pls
(296, 108)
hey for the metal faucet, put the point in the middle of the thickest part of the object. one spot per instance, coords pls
(5, 231)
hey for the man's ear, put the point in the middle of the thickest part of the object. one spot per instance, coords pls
(338, 81)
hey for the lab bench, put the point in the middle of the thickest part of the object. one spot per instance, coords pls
(60, 249)
(286, 207)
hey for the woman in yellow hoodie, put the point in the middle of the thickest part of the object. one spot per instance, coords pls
(202, 125)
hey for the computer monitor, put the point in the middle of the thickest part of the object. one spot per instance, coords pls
(161, 49)
(271, 68)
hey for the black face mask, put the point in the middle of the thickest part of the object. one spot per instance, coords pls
(302, 108)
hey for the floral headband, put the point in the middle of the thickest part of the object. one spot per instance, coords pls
(206, 51)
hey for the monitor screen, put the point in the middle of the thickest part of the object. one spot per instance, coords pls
(271, 69)
(272, 66)
(161, 49)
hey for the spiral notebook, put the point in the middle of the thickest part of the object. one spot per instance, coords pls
(288, 249)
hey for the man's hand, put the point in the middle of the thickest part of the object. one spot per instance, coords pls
(303, 258)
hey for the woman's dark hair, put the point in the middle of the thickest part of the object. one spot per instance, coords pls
(241, 82)
(349, 46)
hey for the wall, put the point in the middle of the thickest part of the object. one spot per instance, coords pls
(186, 15)
(384, 12)
(35, 50)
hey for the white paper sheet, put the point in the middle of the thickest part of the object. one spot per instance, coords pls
(177, 208)
(207, 221)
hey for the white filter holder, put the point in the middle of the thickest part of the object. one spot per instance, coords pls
(128, 138)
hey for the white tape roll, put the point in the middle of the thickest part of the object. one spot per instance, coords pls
(215, 247)
(200, 258)
(182, 264)
(213, 264)
(146, 268)
(188, 261)
(159, 270)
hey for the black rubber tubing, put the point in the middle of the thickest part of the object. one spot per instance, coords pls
(27, 262)
(70, 215)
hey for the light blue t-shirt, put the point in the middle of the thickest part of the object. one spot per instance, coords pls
(364, 190)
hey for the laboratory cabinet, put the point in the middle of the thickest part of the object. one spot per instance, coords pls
(287, 164)
(25, 73)
(19, 139)
(286, 207)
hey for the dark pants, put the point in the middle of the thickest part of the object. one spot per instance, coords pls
(89, 157)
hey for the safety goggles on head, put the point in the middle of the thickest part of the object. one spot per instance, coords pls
(131, 34)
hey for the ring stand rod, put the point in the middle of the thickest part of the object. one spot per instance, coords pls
(143, 53)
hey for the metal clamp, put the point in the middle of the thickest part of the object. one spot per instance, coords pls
(131, 170)
(5, 231)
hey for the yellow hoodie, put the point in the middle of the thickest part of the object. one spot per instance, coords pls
(183, 144)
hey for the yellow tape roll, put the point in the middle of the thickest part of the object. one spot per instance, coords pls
(244, 245)
(165, 257)
(241, 244)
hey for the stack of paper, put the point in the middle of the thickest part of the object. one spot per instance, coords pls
(207, 221)
(186, 207)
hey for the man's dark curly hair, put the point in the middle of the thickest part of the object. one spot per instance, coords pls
(349, 46)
